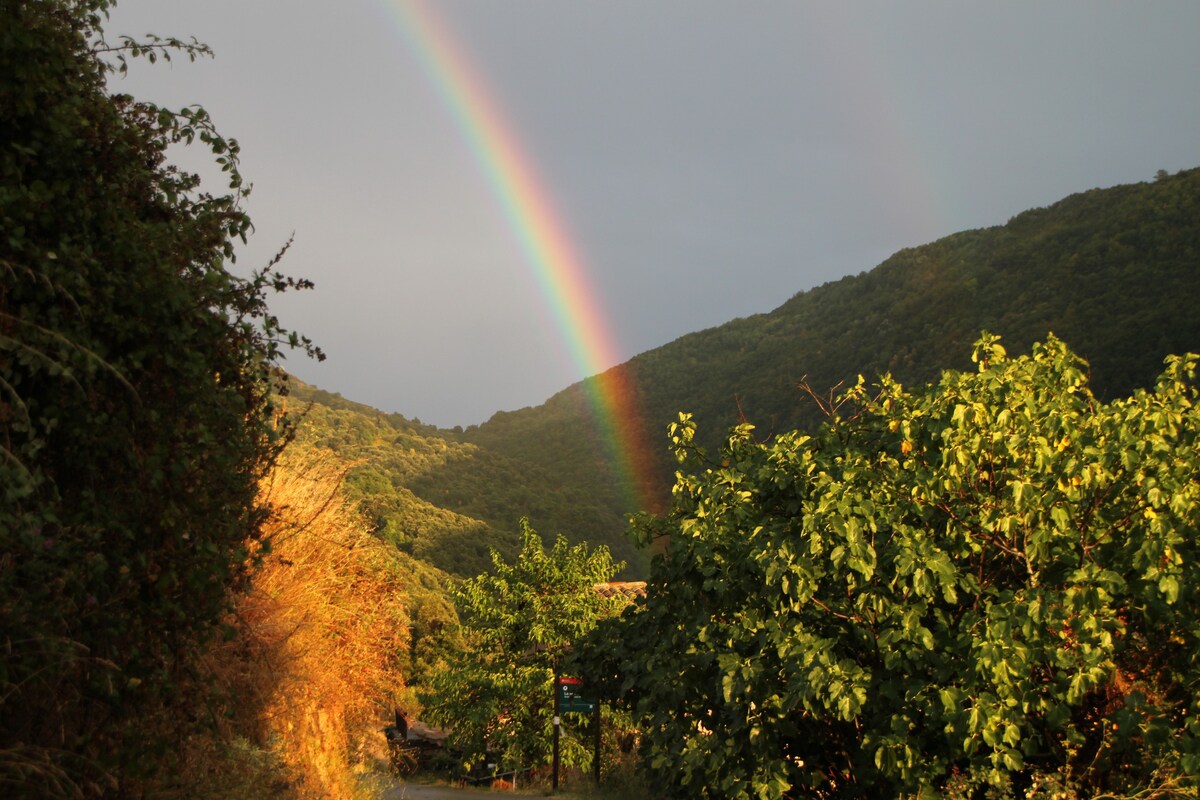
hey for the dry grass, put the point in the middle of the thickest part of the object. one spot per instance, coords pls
(310, 674)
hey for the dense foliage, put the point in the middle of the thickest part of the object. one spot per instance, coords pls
(135, 411)
(519, 621)
(444, 501)
(989, 585)
(1113, 271)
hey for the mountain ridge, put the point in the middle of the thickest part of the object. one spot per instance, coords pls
(752, 364)
(1113, 272)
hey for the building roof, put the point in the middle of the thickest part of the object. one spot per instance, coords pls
(630, 590)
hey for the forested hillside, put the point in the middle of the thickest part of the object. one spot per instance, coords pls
(443, 501)
(1113, 272)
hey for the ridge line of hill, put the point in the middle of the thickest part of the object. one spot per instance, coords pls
(1113, 272)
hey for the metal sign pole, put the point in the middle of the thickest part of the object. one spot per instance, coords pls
(596, 756)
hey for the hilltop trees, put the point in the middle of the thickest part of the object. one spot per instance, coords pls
(989, 585)
(444, 501)
(1112, 271)
(135, 411)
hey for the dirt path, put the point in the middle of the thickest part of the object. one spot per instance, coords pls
(417, 791)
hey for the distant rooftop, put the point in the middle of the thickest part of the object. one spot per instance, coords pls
(630, 590)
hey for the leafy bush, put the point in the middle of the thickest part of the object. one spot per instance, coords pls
(989, 585)
(135, 408)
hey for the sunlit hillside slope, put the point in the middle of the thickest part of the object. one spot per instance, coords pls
(1113, 272)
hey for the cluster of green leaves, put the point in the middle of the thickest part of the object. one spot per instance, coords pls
(135, 406)
(519, 622)
(1112, 271)
(444, 501)
(989, 585)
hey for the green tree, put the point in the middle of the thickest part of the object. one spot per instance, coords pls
(135, 408)
(986, 586)
(518, 624)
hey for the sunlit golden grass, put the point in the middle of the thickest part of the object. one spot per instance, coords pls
(309, 675)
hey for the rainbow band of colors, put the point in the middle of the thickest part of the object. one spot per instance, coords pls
(557, 268)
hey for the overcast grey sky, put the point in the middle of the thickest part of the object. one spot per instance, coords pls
(709, 159)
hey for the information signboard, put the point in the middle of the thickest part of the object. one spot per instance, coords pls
(571, 698)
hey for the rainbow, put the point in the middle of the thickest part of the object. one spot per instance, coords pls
(558, 269)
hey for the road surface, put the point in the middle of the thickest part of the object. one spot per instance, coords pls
(417, 791)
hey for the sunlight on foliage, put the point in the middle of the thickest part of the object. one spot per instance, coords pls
(318, 635)
(983, 587)
(519, 623)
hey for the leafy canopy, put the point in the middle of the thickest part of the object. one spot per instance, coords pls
(519, 622)
(989, 584)
(135, 406)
